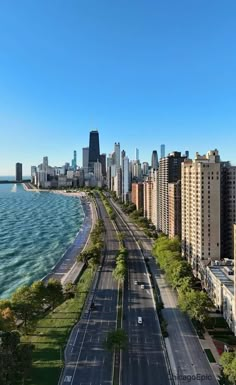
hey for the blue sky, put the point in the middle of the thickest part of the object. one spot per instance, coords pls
(141, 72)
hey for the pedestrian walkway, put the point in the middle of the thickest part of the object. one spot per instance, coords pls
(67, 269)
(185, 350)
(208, 343)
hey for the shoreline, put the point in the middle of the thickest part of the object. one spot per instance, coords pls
(66, 269)
(65, 265)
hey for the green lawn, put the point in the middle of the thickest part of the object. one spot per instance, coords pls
(227, 339)
(210, 355)
(51, 334)
(216, 322)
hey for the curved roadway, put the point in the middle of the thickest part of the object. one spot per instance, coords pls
(87, 362)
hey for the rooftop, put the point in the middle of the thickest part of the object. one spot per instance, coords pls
(223, 277)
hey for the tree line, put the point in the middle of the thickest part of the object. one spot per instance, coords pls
(93, 252)
(179, 274)
(24, 307)
(120, 270)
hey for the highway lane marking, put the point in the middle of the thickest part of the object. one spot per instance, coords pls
(82, 343)
(67, 378)
(75, 338)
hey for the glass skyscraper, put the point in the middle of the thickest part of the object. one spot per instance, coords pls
(163, 150)
(154, 162)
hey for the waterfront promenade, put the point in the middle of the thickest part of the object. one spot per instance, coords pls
(67, 269)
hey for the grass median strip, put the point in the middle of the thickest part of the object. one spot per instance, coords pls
(210, 355)
(52, 332)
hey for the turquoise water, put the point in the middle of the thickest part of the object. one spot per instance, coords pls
(35, 230)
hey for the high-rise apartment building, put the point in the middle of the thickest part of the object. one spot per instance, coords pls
(174, 197)
(154, 160)
(125, 179)
(94, 149)
(154, 197)
(228, 208)
(147, 197)
(19, 172)
(201, 211)
(163, 150)
(169, 172)
(137, 195)
(136, 154)
(234, 249)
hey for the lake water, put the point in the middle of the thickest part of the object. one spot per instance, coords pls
(35, 230)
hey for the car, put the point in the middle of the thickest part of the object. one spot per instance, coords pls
(140, 320)
(142, 286)
(136, 282)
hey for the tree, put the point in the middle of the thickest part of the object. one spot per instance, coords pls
(7, 319)
(116, 340)
(228, 361)
(120, 236)
(38, 292)
(24, 305)
(69, 290)
(83, 257)
(185, 284)
(195, 304)
(8, 362)
(15, 358)
(93, 262)
(54, 292)
(180, 270)
(4, 303)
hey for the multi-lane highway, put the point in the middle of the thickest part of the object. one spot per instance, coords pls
(144, 361)
(87, 362)
(188, 360)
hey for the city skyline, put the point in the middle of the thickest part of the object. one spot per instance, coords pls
(165, 76)
(26, 169)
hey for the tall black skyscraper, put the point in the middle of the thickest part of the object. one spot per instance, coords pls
(18, 172)
(94, 151)
(154, 162)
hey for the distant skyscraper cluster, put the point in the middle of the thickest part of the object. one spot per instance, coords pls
(92, 173)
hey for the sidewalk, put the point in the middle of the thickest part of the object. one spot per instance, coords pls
(183, 323)
(208, 343)
(67, 269)
(185, 349)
